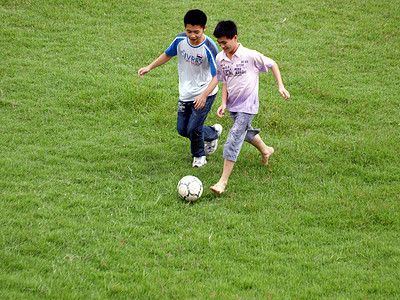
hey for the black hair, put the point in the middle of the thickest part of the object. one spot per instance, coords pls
(225, 29)
(195, 17)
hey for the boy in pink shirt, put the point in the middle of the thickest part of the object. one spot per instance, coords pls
(238, 68)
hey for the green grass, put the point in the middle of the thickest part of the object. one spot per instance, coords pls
(90, 157)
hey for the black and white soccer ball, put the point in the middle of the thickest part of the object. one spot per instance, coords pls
(190, 188)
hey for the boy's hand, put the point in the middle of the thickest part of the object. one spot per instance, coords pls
(221, 110)
(285, 94)
(200, 102)
(143, 71)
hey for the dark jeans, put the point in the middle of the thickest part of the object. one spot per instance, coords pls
(191, 125)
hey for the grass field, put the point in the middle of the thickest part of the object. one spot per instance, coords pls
(90, 157)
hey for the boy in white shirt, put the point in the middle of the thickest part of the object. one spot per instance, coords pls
(238, 68)
(198, 84)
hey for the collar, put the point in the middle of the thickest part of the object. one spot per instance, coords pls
(238, 53)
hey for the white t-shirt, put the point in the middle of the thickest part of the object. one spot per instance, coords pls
(240, 74)
(196, 65)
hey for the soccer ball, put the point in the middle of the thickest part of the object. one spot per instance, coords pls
(190, 188)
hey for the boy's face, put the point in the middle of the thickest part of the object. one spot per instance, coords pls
(195, 34)
(228, 45)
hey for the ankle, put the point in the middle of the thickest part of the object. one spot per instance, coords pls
(223, 183)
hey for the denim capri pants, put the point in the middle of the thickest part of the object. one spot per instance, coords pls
(241, 131)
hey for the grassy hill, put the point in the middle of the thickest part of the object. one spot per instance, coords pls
(90, 157)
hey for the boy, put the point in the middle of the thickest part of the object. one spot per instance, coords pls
(238, 68)
(198, 84)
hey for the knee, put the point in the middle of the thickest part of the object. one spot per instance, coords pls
(182, 131)
(194, 133)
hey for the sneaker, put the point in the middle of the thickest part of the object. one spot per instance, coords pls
(199, 161)
(218, 128)
(211, 147)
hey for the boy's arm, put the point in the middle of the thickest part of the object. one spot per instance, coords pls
(162, 59)
(277, 74)
(221, 109)
(201, 99)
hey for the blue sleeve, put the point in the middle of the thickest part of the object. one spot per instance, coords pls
(173, 48)
(212, 52)
(213, 65)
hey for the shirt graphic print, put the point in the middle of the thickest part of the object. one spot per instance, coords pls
(196, 65)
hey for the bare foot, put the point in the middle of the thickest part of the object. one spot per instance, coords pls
(218, 188)
(265, 156)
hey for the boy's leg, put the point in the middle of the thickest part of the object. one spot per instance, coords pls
(209, 132)
(266, 151)
(237, 135)
(211, 146)
(196, 129)
(184, 112)
(219, 188)
(234, 142)
(253, 137)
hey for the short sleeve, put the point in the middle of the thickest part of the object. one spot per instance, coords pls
(172, 50)
(262, 62)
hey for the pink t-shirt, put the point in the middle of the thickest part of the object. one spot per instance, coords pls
(240, 74)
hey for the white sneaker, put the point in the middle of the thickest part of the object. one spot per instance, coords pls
(199, 161)
(218, 128)
(211, 147)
